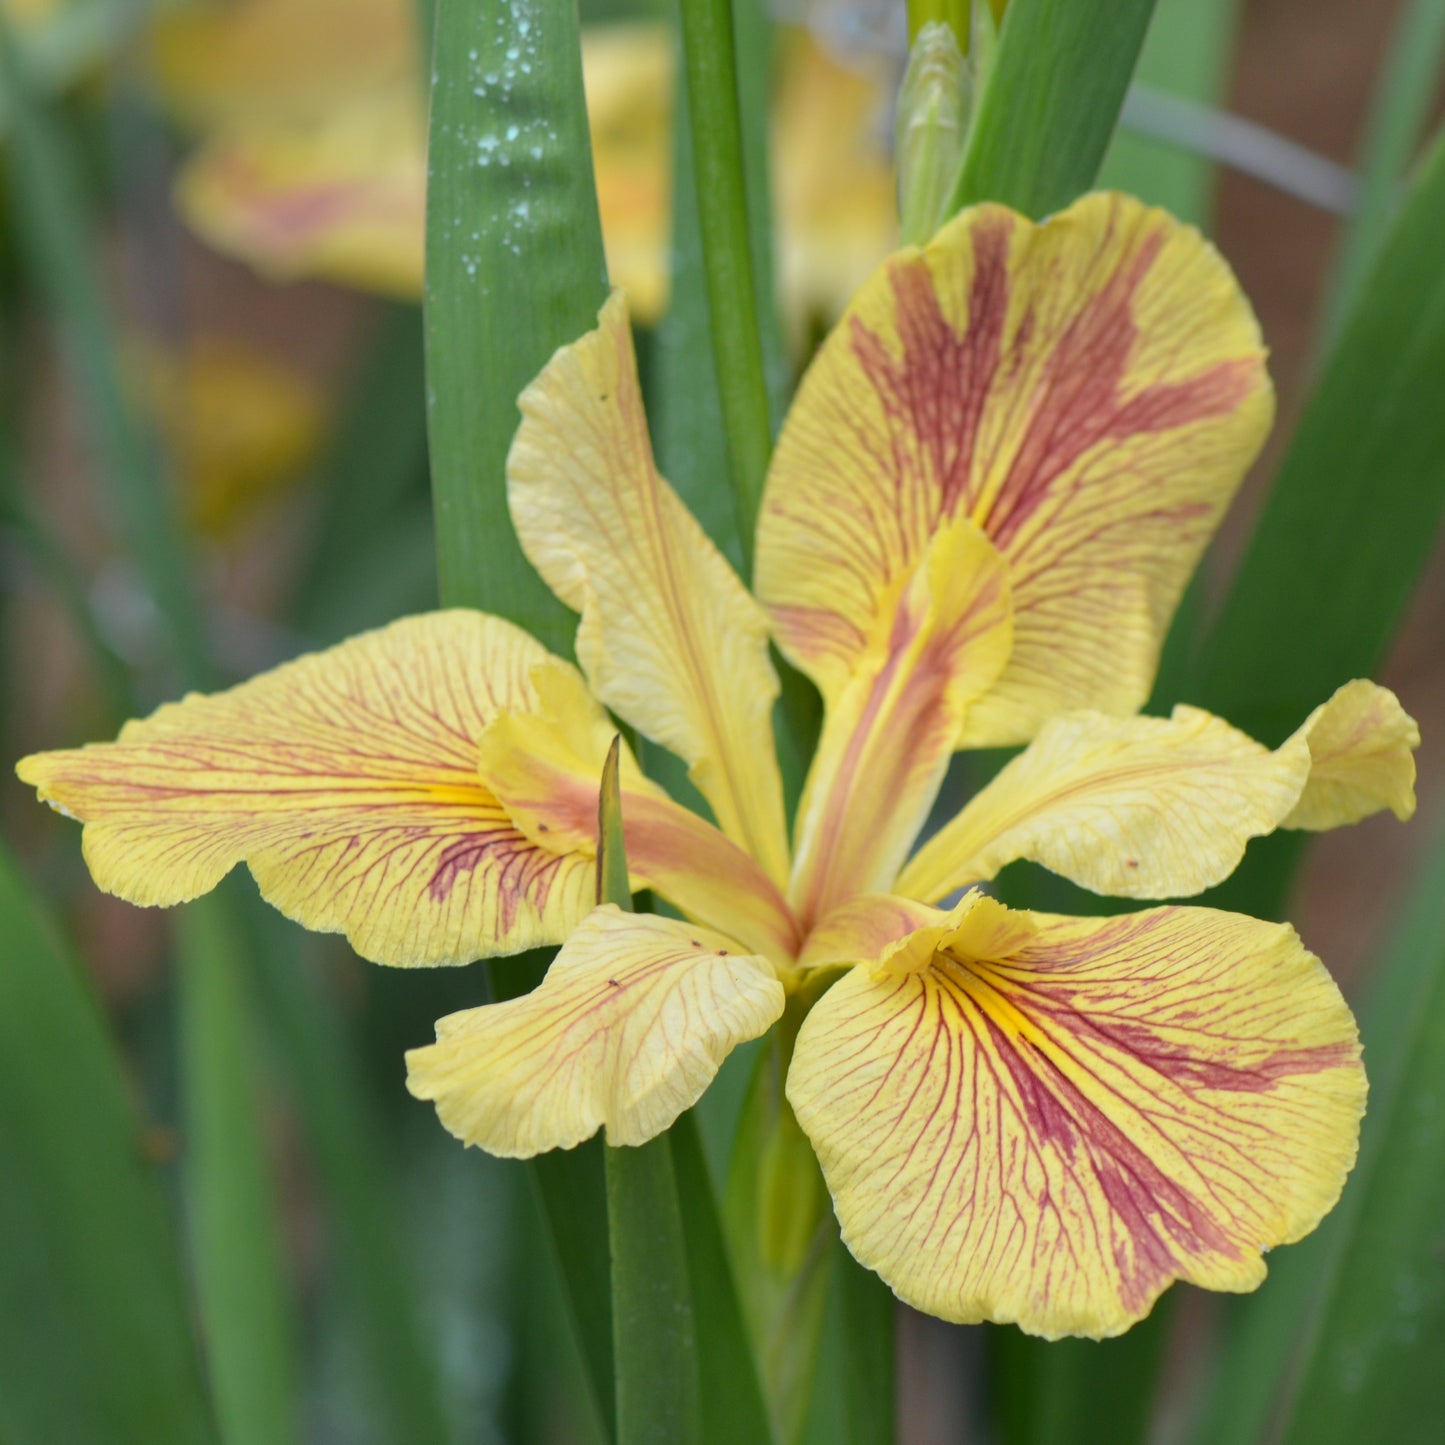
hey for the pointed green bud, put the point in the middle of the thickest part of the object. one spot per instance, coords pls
(934, 106)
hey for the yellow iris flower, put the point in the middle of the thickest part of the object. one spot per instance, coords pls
(996, 478)
(313, 161)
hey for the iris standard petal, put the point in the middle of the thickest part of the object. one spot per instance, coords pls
(1047, 1124)
(889, 732)
(347, 780)
(626, 1030)
(1089, 391)
(669, 638)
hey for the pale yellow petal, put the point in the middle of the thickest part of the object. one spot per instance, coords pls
(941, 641)
(1136, 807)
(670, 639)
(1362, 748)
(626, 1031)
(1051, 1137)
(1088, 390)
(348, 781)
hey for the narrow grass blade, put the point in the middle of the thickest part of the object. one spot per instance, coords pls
(97, 1343)
(55, 230)
(1399, 108)
(239, 1258)
(719, 170)
(1050, 108)
(683, 392)
(1342, 1336)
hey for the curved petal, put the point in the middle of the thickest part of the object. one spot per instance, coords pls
(347, 781)
(545, 769)
(1138, 807)
(1050, 1138)
(669, 638)
(1089, 391)
(1362, 745)
(890, 731)
(626, 1030)
(1163, 808)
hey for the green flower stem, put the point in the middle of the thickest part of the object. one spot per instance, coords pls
(717, 148)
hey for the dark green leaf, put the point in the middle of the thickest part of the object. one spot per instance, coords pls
(330, 1093)
(239, 1261)
(1050, 107)
(733, 1408)
(97, 1343)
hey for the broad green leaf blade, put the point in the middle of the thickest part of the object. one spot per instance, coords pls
(1399, 107)
(1049, 110)
(97, 1343)
(362, 1216)
(1342, 1300)
(1352, 516)
(733, 1408)
(239, 1261)
(514, 269)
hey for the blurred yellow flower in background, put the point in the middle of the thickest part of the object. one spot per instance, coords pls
(312, 154)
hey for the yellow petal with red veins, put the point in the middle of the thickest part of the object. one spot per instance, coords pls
(669, 638)
(942, 640)
(626, 1030)
(1051, 1136)
(1089, 391)
(1362, 745)
(1138, 807)
(546, 767)
(347, 780)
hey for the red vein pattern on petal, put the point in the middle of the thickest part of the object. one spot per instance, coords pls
(1051, 1139)
(1089, 391)
(347, 781)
